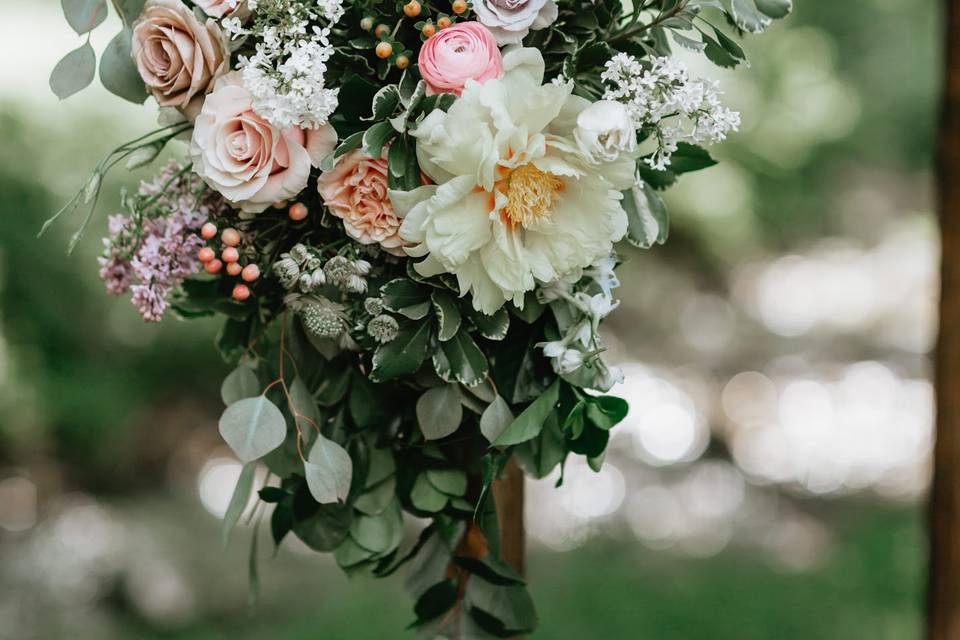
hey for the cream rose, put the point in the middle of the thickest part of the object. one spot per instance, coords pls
(248, 160)
(356, 192)
(605, 131)
(177, 56)
(511, 20)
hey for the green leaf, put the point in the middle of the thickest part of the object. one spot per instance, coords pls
(74, 72)
(448, 314)
(303, 402)
(385, 101)
(328, 470)
(381, 466)
(439, 411)
(436, 601)
(376, 138)
(425, 496)
(253, 427)
(379, 533)
(756, 15)
(505, 611)
(647, 219)
(532, 309)
(493, 327)
(333, 387)
(402, 355)
(375, 500)
(491, 569)
(529, 423)
(238, 500)
(118, 73)
(326, 528)
(461, 360)
(495, 419)
(129, 10)
(406, 298)
(605, 412)
(241, 383)
(717, 54)
(350, 554)
(365, 409)
(452, 482)
(84, 15)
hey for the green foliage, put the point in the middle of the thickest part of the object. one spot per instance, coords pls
(74, 72)
(253, 427)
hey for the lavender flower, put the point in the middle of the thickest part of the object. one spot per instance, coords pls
(151, 251)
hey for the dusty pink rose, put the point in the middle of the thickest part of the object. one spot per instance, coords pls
(177, 56)
(465, 51)
(248, 160)
(356, 191)
(218, 8)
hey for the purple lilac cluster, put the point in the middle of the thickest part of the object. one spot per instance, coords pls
(150, 251)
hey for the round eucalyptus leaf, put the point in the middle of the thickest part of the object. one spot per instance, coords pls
(439, 411)
(74, 72)
(239, 384)
(380, 533)
(426, 497)
(253, 427)
(495, 419)
(329, 470)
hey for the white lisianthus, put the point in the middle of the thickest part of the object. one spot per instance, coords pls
(605, 131)
(517, 202)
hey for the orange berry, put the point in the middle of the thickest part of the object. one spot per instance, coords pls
(298, 211)
(428, 30)
(459, 6)
(381, 29)
(241, 292)
(384, 50)
(230, 237)
(213, 266)
(234, 268)
(367, 23)
(444, 22)
(250, 272)
(411, 9)
(403, 62)
(208, 231)
(230, 254)
(206, 254)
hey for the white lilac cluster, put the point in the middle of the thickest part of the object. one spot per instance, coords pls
(665, 101)
(579, 306)
(286, 74)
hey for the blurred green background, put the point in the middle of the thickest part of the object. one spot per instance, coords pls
(768, 483)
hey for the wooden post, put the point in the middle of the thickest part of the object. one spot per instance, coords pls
(508, 493)
(943, 596)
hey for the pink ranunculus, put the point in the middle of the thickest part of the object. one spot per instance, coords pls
(356, 191)
(464, 51)
(245, 158)
(178, 57)
(511, 20)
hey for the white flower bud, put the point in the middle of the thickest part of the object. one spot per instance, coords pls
(605, 131)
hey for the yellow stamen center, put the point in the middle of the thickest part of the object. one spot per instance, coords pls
(531, 194)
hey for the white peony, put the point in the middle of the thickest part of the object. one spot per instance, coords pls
(517, 202)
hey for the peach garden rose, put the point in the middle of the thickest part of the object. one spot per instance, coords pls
(177, 56)
(249, 161)
(356, 192)
(464, 51)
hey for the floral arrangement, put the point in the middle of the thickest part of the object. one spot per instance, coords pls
(407, 213)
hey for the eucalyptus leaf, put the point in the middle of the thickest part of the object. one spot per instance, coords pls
(238, 500)
(241, 383)
(378, 533)
(118, 73)
(375, 500)
(84, 15)
(425, 496)
(452, 482)
(303, 402)
(74, 72)
(439, 411)
(495, 419)
(253, 427)
(326, 528)
(328, 470)
(504, 610)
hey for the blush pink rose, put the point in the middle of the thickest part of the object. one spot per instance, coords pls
(218, 8)
(356, 192)
(245, 158)
(177, 56)
(464, 51)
